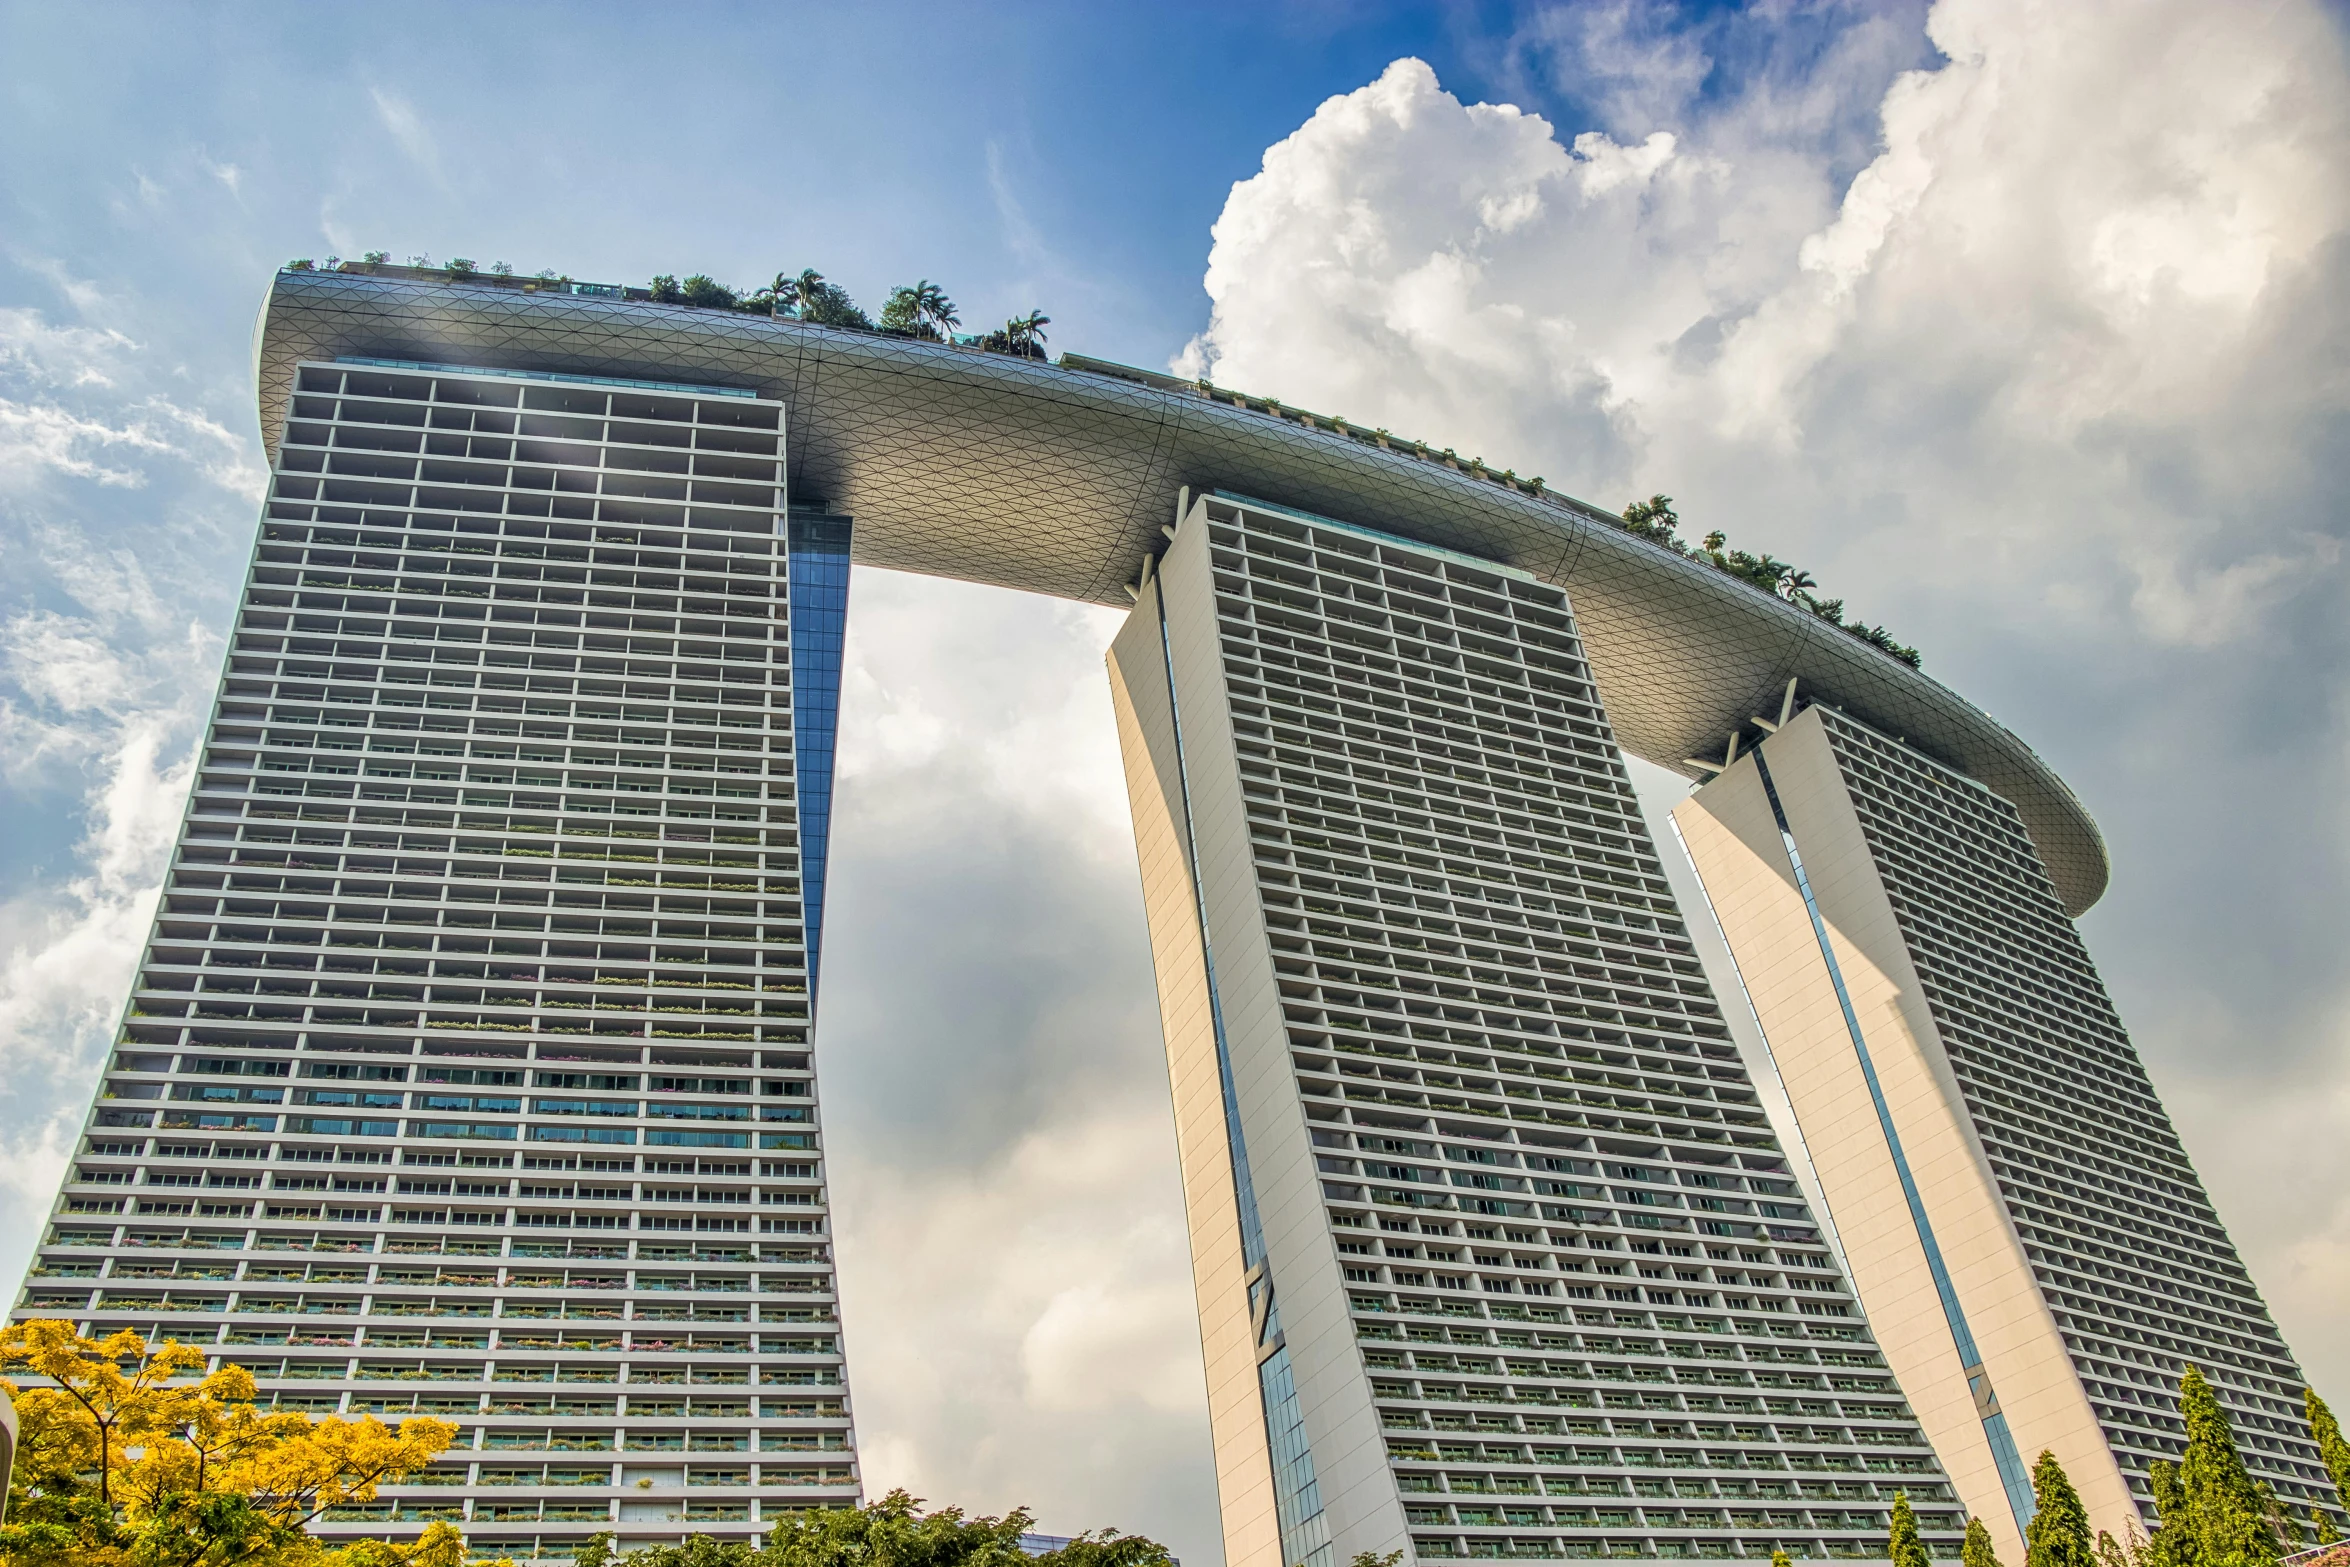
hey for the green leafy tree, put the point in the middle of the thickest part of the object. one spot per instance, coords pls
(1977, 1550)
(919, 309)
(892, 1532)
(2059, 1532)
(1368, 1559)
(2331, 1448)
(806, 289)
(1903, 1544)
(1654, 518)
(820, 303)
(696, 1550)
(666, 291)
(703, 290)
(2281, 1523)
(2174, 1537)
(2223, 1505)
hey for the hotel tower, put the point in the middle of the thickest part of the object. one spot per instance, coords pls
(470, 1066)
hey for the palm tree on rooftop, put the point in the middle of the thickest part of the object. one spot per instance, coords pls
(1024, 335)
(806, 289)
(932, 306)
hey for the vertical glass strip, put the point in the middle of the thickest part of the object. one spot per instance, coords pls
(819, 563)
(2012, 1476)
(1297, 1493)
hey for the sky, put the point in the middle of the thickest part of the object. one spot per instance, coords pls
(2025, 327)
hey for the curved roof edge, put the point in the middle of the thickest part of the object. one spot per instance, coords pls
(1055, 479)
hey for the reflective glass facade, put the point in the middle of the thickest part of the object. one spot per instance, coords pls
(819, 574)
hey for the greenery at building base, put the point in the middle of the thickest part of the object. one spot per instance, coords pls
(893, 1532)
(128, 1455)
(1655, 519)
(2332, 1450)
(2226, 1518)
(2209, 1510)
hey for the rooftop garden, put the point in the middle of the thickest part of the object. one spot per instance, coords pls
(921, 310)
(1655, 519)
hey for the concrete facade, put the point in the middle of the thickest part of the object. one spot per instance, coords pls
(2086, 1262)
(468, 1070)
(1533, 1258)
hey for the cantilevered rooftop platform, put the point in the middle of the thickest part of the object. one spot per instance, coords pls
(1056, 478)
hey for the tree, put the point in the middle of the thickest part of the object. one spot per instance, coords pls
(1904, 1546)
(2174, 1537)
(1977, 1550)
(893, 1532)
(703, 290)
(1654, 518)
(1367, 1559)
(2224, 1511)
(696, 1550)
(2281, 1523)
(820, 303)
(132, 1456)
(2059, 1532)
(919, 309)
(2332, 1450)
(666, 291)
(1781, 1559)
(1022, 336)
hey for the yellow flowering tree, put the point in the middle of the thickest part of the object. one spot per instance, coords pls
(132, 1455)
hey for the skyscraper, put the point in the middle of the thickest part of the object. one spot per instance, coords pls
(1496, 1252)
(467, 1071)
(470, 1067)
(1943, 1035)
